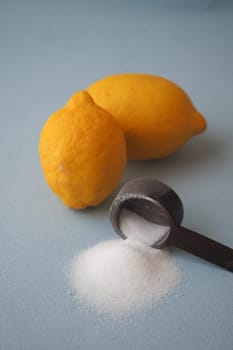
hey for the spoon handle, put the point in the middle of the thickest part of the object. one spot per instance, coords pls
(203, 247)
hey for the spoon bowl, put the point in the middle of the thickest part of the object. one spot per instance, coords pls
(152, 200)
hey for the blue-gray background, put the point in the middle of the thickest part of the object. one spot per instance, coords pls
(49, 49)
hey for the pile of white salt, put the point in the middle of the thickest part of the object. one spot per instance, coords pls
(119, 276)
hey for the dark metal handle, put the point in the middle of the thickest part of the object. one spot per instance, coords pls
(203, 247)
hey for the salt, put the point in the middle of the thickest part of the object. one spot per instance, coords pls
(119, 276)
(136, 227)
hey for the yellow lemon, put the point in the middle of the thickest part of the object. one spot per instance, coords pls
(156, 115)
(82, 152)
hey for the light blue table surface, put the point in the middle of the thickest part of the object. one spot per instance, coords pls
(47, 51)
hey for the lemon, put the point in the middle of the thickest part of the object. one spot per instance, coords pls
(156, 115)
(82, 152)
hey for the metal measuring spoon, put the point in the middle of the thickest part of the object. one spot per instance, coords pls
(159, 204)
